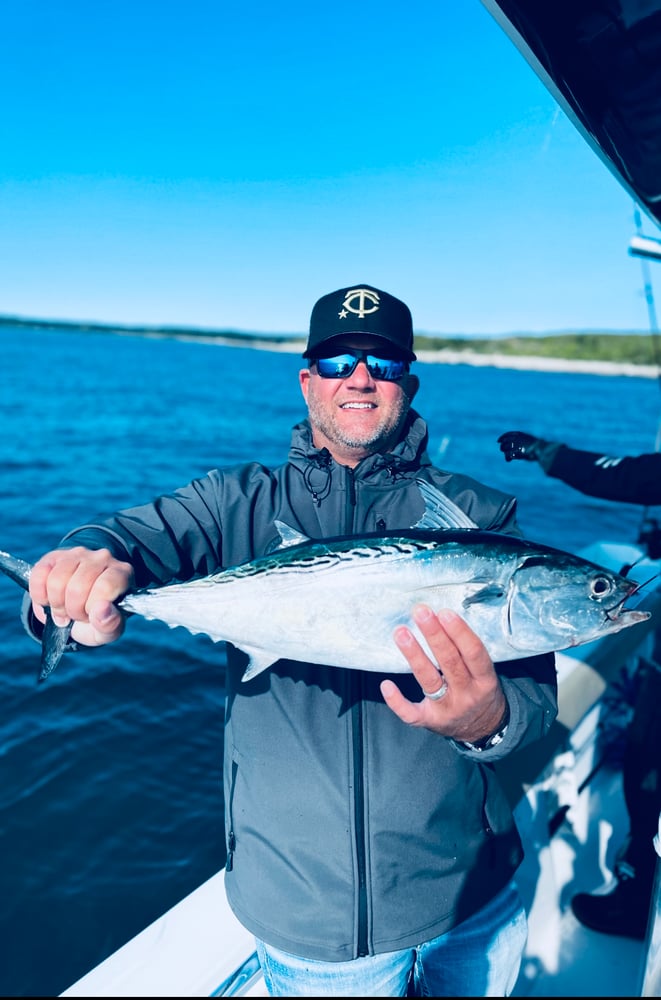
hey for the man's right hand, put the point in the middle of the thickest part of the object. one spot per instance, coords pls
(518, 444)
(81, 585)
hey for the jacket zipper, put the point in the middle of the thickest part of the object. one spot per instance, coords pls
(358, 768)
(359, 807)
(231, 837)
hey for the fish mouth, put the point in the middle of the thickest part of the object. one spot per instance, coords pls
(618, 612)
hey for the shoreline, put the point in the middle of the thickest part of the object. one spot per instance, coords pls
(444, 356)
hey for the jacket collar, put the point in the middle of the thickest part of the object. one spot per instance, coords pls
(410, 452)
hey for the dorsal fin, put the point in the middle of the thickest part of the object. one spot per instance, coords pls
(440, 511)
(289, 536)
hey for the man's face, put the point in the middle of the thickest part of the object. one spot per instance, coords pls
(359, 415)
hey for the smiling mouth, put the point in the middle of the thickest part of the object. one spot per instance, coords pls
(357, 406)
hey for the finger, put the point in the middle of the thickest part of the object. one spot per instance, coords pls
(39, 612)
(102, 628)
(442, 633)
(408, 711)
(38, 583)
(106, 620)
(103, 590)
(465, 654)
(425, 670)
(49, 578)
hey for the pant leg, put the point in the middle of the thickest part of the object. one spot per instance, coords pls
(480, 957)
(384, 975)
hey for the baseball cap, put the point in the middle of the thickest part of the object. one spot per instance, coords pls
(361, 309)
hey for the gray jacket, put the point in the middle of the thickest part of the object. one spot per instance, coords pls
(348, 833)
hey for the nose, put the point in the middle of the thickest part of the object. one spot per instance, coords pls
(360, 376)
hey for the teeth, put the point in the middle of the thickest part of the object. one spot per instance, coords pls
(356, 406)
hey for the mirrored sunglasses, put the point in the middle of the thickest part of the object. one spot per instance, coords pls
(343, 365)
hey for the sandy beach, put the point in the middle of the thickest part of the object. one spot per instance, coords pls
(534, 363)
(448, 357)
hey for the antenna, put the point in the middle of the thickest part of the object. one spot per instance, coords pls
(649, 249)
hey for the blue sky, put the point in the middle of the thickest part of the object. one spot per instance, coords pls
(223, 165)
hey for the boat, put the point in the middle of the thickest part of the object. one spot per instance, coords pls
(602, 63)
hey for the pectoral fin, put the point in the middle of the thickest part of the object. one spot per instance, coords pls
(259, 661)
(484, 595)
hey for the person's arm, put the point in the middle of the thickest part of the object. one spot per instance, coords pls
(177, 536)
(628, 479)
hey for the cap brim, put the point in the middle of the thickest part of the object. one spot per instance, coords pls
(331, 343)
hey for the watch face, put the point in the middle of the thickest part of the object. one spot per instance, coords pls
(486, 744)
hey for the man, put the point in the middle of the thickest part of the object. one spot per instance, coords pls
(369, 850)
(624, 909)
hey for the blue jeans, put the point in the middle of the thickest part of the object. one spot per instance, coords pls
(480, 957)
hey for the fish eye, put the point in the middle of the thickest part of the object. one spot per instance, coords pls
(600, 586)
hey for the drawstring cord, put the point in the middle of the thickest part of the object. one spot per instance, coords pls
(322, 463)
(319, 463)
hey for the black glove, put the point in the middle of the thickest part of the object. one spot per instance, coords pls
(518, 444)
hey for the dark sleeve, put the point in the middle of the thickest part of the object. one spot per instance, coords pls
(630, 479)
(175, 537)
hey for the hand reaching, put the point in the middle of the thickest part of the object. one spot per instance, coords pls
(519, 445)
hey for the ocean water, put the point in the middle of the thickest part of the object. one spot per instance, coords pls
(110, 771)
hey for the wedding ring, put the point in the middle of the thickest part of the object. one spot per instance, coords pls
(437, 695)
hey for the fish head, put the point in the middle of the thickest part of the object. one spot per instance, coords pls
(557, 600)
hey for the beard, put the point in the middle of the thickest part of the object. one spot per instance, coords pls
(377, 437)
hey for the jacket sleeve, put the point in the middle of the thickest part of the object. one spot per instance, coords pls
(219, 520)
(630, 479)
(175, 537)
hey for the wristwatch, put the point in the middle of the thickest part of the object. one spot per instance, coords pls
(487, 742)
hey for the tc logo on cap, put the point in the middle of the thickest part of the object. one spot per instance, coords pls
(360, 309)
(359, 301)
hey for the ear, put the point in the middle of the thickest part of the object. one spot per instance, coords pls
(304, 381)
(410, 384)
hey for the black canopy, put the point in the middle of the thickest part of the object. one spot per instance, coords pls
(601, 59)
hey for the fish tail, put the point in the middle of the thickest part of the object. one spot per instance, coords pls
(53, 644)
(55, 637)
(17, 570)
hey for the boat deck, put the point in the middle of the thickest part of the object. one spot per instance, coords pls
(564, 958)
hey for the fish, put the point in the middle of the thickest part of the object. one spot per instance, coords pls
(338, 600)
(439, 512)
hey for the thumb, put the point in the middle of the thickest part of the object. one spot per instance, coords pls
(106, 623)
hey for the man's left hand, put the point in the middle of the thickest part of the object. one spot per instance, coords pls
(474, 703)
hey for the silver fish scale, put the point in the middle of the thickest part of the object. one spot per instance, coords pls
(319, 555)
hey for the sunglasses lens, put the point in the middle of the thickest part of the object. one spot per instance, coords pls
(343, 365)
(385, 368)
(339, 366)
